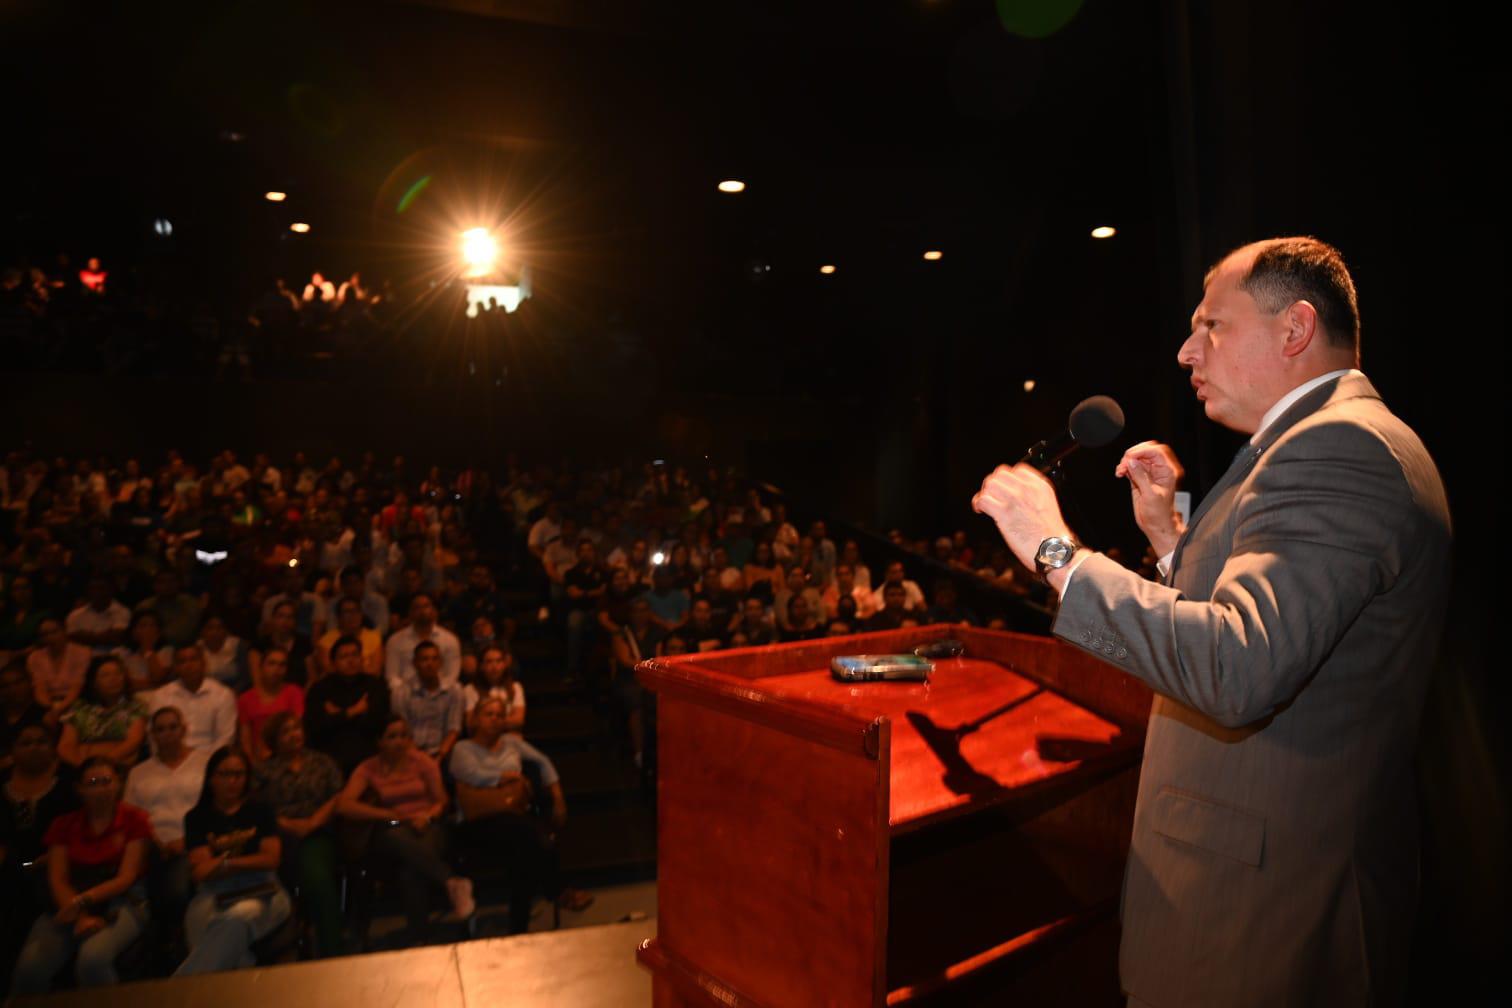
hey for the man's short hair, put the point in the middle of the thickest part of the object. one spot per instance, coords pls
(425, 645)
(165, 709)
(1287, 270)
(345, 640)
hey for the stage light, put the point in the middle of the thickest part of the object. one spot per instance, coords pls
(732, 186)
(274, 196)
(480, 251)
(163, 227)
(658, 558)
(299, 227)
(1104, 232)
(826, 269)
(934, 255)
(1029, 385)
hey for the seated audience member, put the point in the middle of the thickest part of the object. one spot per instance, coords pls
(796, 583)
(845, 586)
(33, 792)
(18, 707)
(166, 786)
(494, 798)
(225, 654)
(57, 668)
(752, 627)
(180, 613)
(947, 607)
(399, 652)
(375, 609)
(234, 849)
(730, 577)
(400, 791)
(147, 659)
(349, 624)
(614, 605)
(346, 711)
(801, 624)
(479, 598)
(584, 584)
(209, 709)
(763, 576)
(496, 678)
(280, 633)
(106, 720)
(21, 619)
(96, 856)
(481, 637)
(309, 609)
(637, 640)
(850, 553)
(669, 602)
(821, 568)
(913, 595)
(893, 614)
(268, 696)
(411, 582)
(100, 622)
(723, 606)
(701, 631)
(300, 785)
(432, 709)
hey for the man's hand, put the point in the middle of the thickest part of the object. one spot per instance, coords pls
(1153, 473)
(419, 821)
(1022, 502)
(88, 924)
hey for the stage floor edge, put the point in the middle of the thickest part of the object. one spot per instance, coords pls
(584, 967)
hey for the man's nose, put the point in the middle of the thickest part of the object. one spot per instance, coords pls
(1186, 354)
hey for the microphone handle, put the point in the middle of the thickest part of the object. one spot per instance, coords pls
(1046, 455)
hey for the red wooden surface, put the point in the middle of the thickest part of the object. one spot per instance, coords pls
(784, 796)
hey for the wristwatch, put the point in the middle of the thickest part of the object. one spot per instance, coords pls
(1053, 554)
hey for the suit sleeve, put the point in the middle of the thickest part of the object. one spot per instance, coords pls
(1317, 535)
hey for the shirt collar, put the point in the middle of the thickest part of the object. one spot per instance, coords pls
(1286, 401)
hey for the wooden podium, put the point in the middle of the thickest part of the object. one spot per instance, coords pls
(826, 843)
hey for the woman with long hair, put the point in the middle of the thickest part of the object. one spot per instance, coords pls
(496, 679)
(234, 849)
(106, 720)
(96, 857)
(268, 695)
(146, 658)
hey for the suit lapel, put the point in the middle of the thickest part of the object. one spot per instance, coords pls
(1350, 386)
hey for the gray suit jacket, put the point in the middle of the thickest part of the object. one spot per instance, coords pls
(1274, 857)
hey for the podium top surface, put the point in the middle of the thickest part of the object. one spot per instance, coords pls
(976, 733)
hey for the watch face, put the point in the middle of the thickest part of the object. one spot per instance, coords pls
(1055, 552)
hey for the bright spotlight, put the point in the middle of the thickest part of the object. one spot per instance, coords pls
(480, 251)
(1029, 385)
(732, 186)
(274, 196)
(826, 269)
(658, 558)
(1104, 232)
(299, 227)
(934, 255)
(163, 227)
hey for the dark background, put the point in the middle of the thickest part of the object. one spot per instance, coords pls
(676, 321)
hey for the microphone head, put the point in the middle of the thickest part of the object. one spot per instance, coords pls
(1096, 421)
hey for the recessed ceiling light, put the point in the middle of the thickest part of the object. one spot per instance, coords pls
(934, 255)
(299, 227)
(826, 269)
(274, 196)
(1104, 232)
(732, 186)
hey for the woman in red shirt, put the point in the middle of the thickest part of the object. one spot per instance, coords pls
(96, 858)
(400, 791)
(268, 695)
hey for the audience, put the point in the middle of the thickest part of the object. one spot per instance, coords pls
(289, 616)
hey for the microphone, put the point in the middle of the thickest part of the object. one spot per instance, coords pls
(1094, 422)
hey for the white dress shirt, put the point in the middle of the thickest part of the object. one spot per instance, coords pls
(165, 793)
(209, 712)
(399, 657)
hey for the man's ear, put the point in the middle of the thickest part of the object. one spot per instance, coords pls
(1301, 321)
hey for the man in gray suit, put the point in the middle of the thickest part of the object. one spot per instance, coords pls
(1274, 857)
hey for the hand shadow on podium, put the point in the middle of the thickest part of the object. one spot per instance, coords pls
(964, 779)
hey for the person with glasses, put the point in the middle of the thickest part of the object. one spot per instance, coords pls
(234, 850)
(96, 857)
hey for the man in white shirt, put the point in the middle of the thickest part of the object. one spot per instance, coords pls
(100, 623)
(208, 708)
(399, 652)
(166, 786)
(914, 599)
